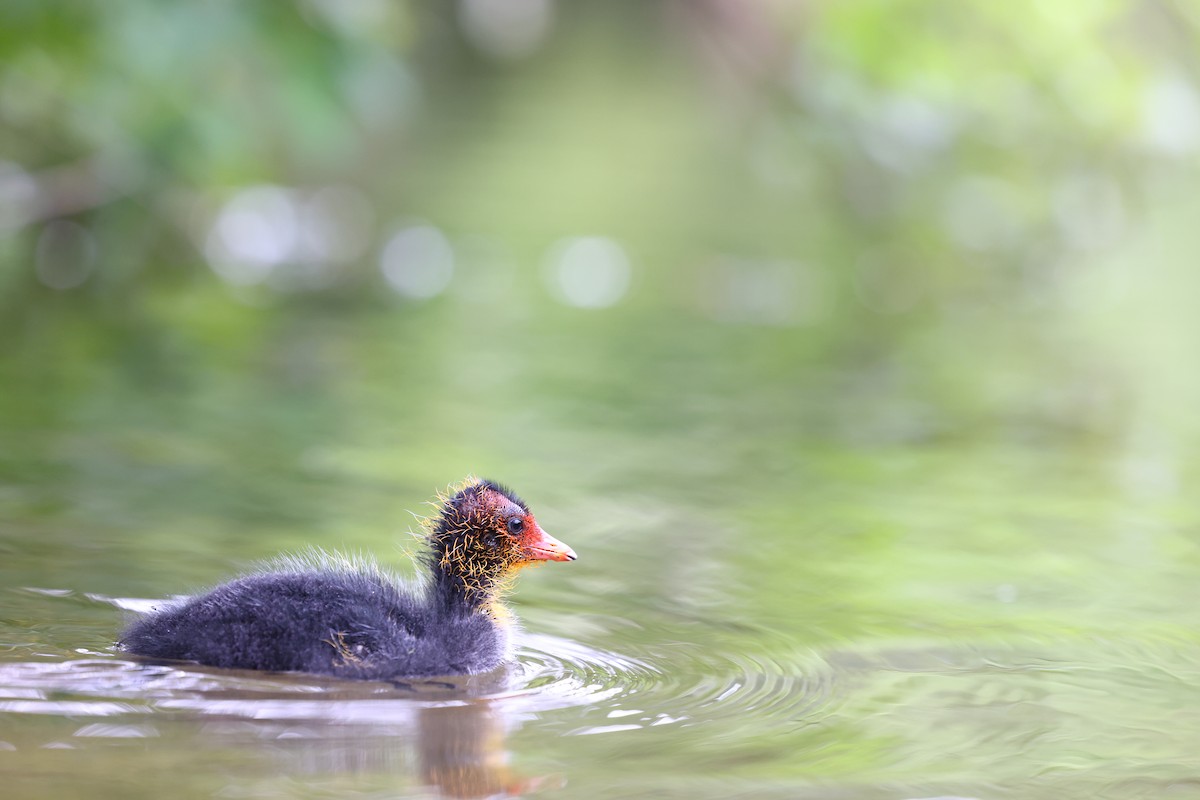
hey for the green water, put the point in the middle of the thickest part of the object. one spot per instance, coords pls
(766, 604)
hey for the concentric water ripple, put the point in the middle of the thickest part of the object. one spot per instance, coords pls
(695, 685)
(774, 688)
(561, 672)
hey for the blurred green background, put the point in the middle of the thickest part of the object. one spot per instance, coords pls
(919, 220)
(865, 322)
(496, 235)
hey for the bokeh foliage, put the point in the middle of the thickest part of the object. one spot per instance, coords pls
(979, 211)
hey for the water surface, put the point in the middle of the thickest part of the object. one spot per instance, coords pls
(756, 611)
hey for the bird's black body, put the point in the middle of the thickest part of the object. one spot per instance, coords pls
(330, 617)
(331, 620)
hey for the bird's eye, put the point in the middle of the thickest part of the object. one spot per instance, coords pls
(516, 525)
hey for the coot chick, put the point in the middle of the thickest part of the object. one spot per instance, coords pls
(353, 620)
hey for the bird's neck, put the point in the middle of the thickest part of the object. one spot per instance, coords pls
(458, 589)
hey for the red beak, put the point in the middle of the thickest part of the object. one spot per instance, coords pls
(541, 546)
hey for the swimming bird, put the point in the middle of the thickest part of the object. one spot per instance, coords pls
(352, 620)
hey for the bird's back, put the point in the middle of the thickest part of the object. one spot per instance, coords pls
(354, 623)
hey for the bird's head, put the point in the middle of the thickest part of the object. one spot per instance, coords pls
(482, 534)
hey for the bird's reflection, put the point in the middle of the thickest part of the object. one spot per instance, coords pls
(448, 737)
(461, 751)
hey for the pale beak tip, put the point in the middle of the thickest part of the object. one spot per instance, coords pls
(550, 549)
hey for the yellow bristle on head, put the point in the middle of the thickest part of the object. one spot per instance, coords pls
(428, 524)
